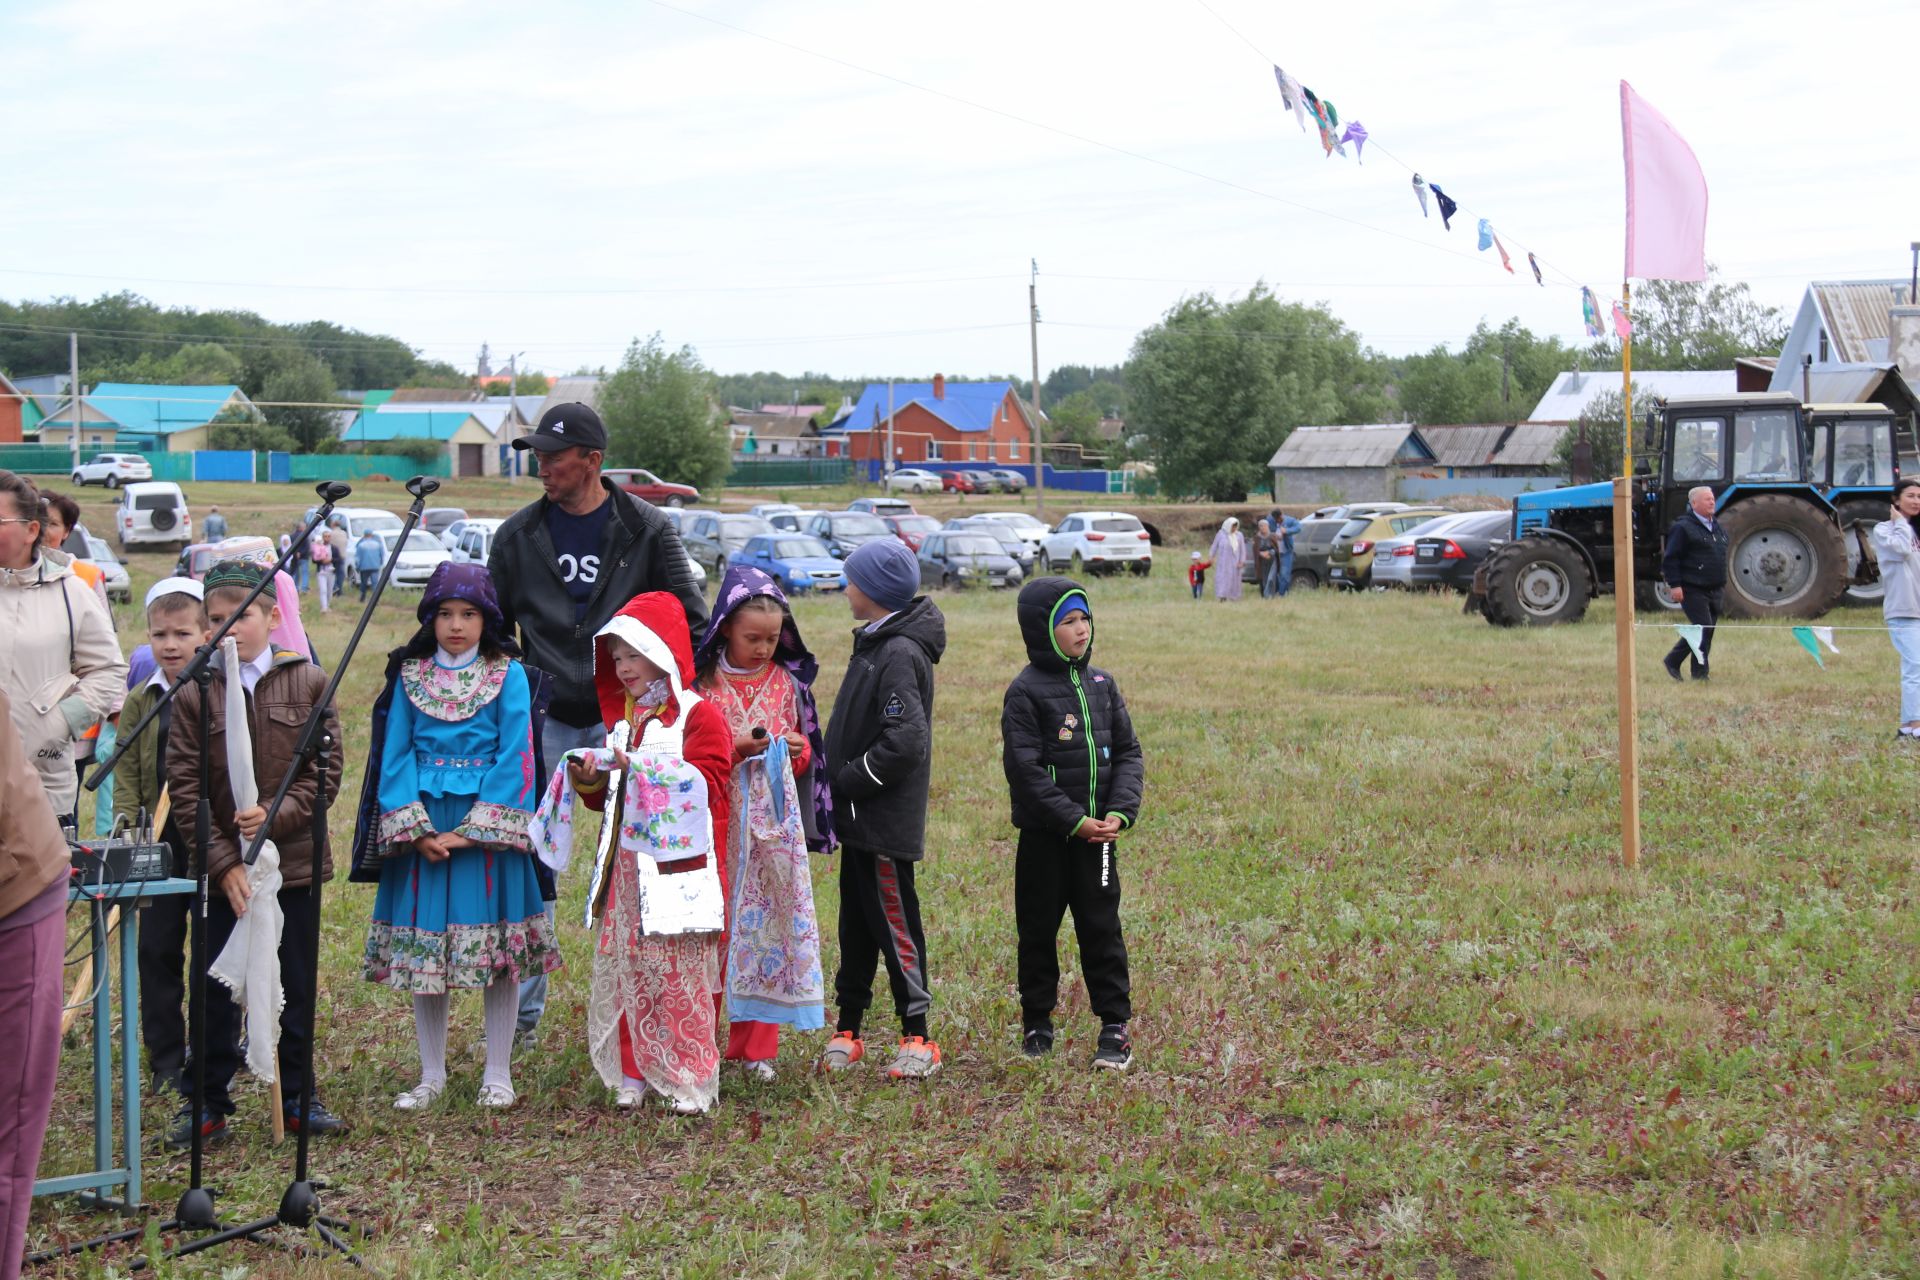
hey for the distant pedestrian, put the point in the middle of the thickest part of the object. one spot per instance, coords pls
(214, 527)
(302, 555)
(1898, 550)
(1229, 558)
(1284, 529)
(1197, 574)
(1695, 568)
(338, 542)
(367, 556)
(321, 553)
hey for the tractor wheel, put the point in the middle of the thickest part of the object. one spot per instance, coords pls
(1785, 559)
(1863, 565)
(1655, 597)
(1536, 582)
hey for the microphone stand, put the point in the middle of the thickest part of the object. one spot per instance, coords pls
(195, 1208)
(300, 1204)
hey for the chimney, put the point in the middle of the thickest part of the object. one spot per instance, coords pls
(939, 386)
(1903, 338)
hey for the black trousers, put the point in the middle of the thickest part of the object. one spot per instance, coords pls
(880, 919)
(1052, 876)
(225, 1019)
(1702, 605)
(163, 984)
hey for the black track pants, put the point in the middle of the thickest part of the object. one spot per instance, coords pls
(1052, 876)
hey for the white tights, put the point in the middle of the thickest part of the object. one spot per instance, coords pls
(500, 1002)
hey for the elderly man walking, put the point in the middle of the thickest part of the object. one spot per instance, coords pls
(563, 567)
(1695, 569)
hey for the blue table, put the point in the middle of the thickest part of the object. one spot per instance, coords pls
(104, 1175)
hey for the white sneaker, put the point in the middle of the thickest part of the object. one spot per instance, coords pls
(421, 1096)
(685, 1107)
(498, 1096)
(762, 1071)
(628, 1098)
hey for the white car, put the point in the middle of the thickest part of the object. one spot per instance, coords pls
(1025, 527)
(119, 585)
(1098, 542)
(152, 511)
(361, 519)
(472, 539)
(113, 470)
(418, 559)
(913, 480)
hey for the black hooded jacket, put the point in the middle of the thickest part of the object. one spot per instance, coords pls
(1067, 742)
(880, 739)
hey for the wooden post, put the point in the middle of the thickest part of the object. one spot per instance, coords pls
(1624, 667)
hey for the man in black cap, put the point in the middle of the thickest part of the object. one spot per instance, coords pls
(565, 565)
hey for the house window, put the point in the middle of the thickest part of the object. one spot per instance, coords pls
(933, 452)
(1013, 449)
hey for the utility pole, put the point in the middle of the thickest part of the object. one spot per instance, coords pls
(888, 469)
(73, 397)
(1033, 333)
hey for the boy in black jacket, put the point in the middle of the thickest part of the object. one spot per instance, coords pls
(879, 756)
(1076, 772)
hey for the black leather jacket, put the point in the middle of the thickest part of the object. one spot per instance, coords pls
(1695, 556)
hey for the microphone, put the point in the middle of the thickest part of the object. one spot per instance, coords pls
(421, 486)
(332, 490)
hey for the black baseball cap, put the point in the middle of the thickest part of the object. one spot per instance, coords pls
(566, 426)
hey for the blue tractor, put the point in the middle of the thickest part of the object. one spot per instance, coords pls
(1787, 557)
(1855, 462)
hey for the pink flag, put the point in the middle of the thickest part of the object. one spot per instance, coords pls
(1666, 196)
(1621, 325)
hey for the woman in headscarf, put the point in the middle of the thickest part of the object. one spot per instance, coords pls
(1229, 554)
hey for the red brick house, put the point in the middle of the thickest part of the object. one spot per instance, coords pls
(955, 423)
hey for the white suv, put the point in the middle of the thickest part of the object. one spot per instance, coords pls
(1098, 542)
(112, 470)
(153, 511)
(913, 480)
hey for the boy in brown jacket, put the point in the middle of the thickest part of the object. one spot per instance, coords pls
(282, 689)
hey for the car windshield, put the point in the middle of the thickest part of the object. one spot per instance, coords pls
(99, 552)
(916, 524)
(735, 530)
(418, 541)
(857, 526)
(1020, 520)
(1117, 524)
(799, 548)
(381, 523)
(972, 544)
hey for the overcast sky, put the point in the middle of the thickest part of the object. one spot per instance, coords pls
(561, 177)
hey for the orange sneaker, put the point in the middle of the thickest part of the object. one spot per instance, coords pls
(916, 1059)
(842, 1051)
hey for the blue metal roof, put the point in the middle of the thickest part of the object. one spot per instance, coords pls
(394, 424)
(966, 406)
(155, 409)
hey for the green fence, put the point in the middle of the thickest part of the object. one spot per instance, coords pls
(46, 460)
(786, 473)
(313, 467)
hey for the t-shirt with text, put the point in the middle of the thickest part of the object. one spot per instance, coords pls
(576, 543)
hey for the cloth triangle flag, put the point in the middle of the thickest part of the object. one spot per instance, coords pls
(1666, 196)
(1590, 312)
(1356, 134)
(1280, 78)
(1420, 194)
(1805, 636)
(1825, 636)
(1621, 325)
(1505, 261)
(1692, 633)
(1486, 235)
(1535, 264)
(1446, 203)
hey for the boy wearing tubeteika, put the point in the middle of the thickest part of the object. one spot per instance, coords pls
(879, 758)
(1075, 771)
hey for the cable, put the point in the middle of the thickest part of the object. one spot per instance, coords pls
(610, 291)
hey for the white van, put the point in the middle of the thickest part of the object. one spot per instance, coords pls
(153, 511)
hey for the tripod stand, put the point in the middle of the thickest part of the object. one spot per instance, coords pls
(300, 1204)
(195, 1208)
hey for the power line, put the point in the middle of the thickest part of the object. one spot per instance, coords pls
(557, 292)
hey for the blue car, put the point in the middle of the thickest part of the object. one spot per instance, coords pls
(794, 560)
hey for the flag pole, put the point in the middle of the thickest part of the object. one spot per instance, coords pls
(1624, 668)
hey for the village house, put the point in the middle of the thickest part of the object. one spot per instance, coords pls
(148, 417)
(956, 423)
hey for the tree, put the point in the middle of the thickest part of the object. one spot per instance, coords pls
(237, 429)
(1604, 428)
(660, 414)
(294, 390)
(1497, 377)
(1698, 324)
(1075, 420)
(1216, 387)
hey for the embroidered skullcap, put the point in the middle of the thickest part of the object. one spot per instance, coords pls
(234, 573)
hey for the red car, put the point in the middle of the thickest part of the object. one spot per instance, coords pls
(955, 482)
(642, 483)
(911, 529)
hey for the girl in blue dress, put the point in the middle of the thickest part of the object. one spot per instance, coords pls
(459, 904)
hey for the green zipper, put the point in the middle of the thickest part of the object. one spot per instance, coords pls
(1086, 725)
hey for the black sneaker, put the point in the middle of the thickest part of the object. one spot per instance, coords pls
(1038, 1042)
(1672, 665)
(319, 1119)
(1116, 1050)
(213, 1128)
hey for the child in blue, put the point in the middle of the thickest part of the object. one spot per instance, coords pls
(459, 904)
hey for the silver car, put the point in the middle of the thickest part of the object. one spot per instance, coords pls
(1393, 557)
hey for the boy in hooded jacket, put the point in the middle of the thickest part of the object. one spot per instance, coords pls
(1075, 771)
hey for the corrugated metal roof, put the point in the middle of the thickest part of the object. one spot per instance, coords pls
(1531, 444)
(396, 422)
(1571, 393)
(1375, 445)
(1463, 446)
(1856, 314)
(490, 416)
(155, 410)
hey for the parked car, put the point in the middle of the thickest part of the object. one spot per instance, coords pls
(1011, 481)
(986, 482)
(1022, 551)
(794, 521)
(1098, 542)
(436, 520)
(797, 561)
(882, 506)
(1314, 543)
(152, 511)
(1350, 563)
(956, 482)
(911, 529)
(112, 470)
(1448, 558)
(119, 584)
(963, 558)
(768, 510)
(842, 531)
(474, 543)
(1024, 524)
(1393, 557)
(195, 559)
(711, 538)
(913, 480)
(417, 560)
(361, 519)
(642, 483)
(677, 517)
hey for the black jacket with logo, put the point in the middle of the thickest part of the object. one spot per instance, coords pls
(1068, 745)
(880, 739)
(639, 551)
(1696, 556)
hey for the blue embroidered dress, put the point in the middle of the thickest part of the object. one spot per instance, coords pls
(458, 759)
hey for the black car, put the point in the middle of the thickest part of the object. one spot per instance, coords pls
(963, 558)
(1010, 542)
(1448, 559)
(842, 531)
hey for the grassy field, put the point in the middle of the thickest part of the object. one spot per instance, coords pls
(1400, 1012)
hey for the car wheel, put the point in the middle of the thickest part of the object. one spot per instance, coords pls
(1078, 567)
(1302, 580)
(77, 480)
(676, 501)
(945, 582)
(113, 482)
